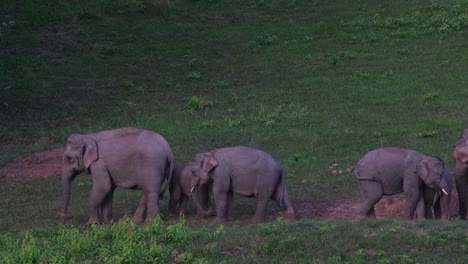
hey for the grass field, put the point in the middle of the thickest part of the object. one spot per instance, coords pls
(314, 83)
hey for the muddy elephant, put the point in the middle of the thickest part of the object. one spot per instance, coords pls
(391, 170)
(180, 189)
(460, 153)
(128, 158)
(246, 171)
(433, 204)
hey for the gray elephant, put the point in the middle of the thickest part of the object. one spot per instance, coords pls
(128, 158)
(245, 171)
(433, 205)
(391, 170)
(180, 191)
(461, 172)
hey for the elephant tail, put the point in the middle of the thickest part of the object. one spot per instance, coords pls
(281, 190)
(167, 175)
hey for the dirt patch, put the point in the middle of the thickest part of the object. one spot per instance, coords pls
(43, 164)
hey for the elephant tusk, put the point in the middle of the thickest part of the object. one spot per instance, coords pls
(444, 191)
(193, 188)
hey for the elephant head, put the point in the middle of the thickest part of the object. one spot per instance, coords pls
(204, 163)
(80, 152)
(461, 151)
(431, 171)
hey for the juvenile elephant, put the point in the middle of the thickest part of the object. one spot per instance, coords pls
(433, 205)
(128, 158)
(245, 171)
(461, 172)
(391, 170)
(180, 192)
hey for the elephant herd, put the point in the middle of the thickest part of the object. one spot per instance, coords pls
(139, 159)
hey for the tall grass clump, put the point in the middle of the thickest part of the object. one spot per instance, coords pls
(123, 242)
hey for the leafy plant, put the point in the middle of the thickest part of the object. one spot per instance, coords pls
(194, 75)
(266, 39)
(428, 134)
(198, 103)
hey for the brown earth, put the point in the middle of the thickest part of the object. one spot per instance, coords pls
(42, 164)
(48, 163)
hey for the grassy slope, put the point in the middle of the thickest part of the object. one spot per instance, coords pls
(313, 83)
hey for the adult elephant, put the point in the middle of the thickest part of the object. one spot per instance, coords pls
(128, 158)
(245, 171)
(461, 173)
(180, 189)
(391, 170)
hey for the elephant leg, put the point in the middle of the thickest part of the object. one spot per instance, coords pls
(140, 212)
(183, 205)
(101, 188)
(173, 201)
(230, 206)
(208, 204)
(371, 193)
(421, 209)
(152, 205)
(220, 204)
(461, 183)
(437, 210)
(412, 198)
(106, 208)
(261, 211)
(290, 212)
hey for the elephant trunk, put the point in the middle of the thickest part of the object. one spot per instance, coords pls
(445, 197)
(445, 206)
(67, 179)
(198, 203)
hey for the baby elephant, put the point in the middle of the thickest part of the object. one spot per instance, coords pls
(245, 171)
(180, 192)
(389, 171)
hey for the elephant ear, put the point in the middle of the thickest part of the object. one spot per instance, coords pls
(464, 133)
(422, 169)
(90, 152)
(209, 163)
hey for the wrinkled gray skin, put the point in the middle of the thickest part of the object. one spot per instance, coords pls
(245, 171)
(128, 158)
(434, 204)
(461, 172)
(180, 192)
(389, 171)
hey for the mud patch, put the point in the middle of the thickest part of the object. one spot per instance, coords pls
(43, 164)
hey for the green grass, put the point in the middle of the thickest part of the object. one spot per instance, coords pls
(311, 82)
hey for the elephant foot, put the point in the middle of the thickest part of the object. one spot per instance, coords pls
(199, 216)
(219, 220)
(258, 220)
(137, 220)
(148, 221)
(66, 216)
(108, 221)
(289, 217)
(211, 212)
(93, 221)
(171, 213)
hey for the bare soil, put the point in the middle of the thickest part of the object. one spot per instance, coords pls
(48, 163)
(43, 164)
